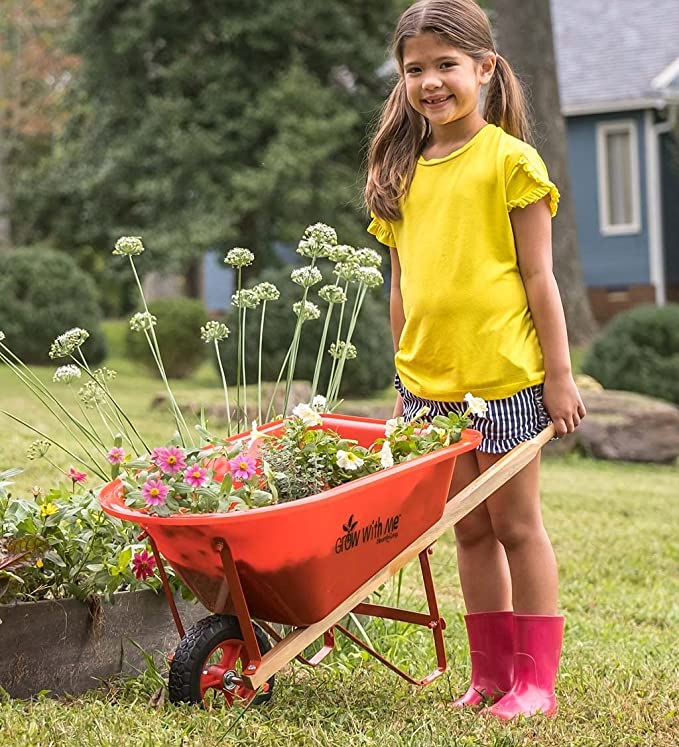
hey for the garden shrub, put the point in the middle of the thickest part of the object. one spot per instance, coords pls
(43, 293)
(638, 351)
(371, 371)
(178, 333)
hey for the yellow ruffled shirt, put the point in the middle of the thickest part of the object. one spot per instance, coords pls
(468, 327)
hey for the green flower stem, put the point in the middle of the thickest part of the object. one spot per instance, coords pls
(360, 295)
(259, 365)
(238, 346)
(337, 340)
(321, 351)
(278, 381)
(89, 422)
(93, 467)
(245, 384)
(111, 399)
(294, 349)
(226, 390)
(155, 350)
(44, 396)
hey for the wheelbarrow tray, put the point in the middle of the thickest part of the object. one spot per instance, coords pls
(298, 561)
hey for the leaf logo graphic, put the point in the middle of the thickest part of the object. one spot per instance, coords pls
(350, 525)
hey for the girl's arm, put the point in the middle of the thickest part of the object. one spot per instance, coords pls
(532, 228)
(396, 314)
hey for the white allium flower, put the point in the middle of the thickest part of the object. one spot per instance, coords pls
(245, 299)
(306, 276)
(347, 271)
(70, 341)
(66, 374)
(129, 245)
(477, 405)
(369, 276)
(332, 294)
(319, 403)
(368, 258)
(38, 448)
(336, 351)
(311, 311)
(105, 374)
(142, 320)
(91, 394)
(348, 460)
(391, 425)
(386, 457)
(267, 292)
(214, 331)
(341, 253)
(317, 241)
(307, 414)
(239, 257)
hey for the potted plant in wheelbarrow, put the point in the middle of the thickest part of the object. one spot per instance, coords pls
(283, 522)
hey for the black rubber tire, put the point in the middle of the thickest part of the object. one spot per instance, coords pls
(195, 648)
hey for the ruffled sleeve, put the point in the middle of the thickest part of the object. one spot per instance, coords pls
(381, 229)
(528, 181)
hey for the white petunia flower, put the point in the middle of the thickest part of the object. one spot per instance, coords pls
(477, 405)
(386, 457)
(307, 414)
(319, 403)
(391, 425)
(348, 460)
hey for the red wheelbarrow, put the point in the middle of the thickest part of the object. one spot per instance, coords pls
(307, 564)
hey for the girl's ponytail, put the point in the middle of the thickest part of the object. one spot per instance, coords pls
(393, 154)
(506, 104)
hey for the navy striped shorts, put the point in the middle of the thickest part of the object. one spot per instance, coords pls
(508, 422)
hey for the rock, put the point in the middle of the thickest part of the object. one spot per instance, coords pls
(628, 426)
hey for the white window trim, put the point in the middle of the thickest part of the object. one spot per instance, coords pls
(603, 129)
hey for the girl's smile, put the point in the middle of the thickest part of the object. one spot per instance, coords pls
(443, 84)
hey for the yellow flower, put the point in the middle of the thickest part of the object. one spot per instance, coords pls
(39, 563)
(48, 509)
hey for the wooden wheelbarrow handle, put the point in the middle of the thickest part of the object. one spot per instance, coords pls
(457, 508)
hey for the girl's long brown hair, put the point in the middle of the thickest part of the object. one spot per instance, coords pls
(401, 131)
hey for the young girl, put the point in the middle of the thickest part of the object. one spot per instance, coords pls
(465, 205)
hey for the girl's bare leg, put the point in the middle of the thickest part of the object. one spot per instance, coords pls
(516, 518)
(481, 559)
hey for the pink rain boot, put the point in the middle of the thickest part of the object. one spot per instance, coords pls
(491, 644)
(538, 641)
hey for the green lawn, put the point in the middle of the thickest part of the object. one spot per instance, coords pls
(615, 528)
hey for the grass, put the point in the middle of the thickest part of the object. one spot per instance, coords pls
(615, 528)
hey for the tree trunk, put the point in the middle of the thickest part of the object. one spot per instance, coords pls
(524, 35)
(5, 227)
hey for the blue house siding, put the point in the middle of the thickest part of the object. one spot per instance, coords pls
(218, 282)
(607, 261)
(669, 157)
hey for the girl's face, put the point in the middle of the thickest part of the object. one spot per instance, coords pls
(443, 83)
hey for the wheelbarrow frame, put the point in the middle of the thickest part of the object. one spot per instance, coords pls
(260, 667)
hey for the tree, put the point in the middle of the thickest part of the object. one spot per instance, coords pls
(33, 71)
(524, 29)
(209, 124)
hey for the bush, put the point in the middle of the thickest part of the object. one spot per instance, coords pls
(373, 368)
(178, 333)
(638, 351)
(43, 293)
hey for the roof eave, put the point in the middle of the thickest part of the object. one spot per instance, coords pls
(583, 108)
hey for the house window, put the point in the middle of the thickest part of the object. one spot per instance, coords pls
(618, 175)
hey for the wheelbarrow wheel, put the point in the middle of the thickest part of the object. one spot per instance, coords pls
(210, 655)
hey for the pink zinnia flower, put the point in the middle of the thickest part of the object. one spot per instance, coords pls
(143, 565)
(171, 460)
(154, 492)
(77, 476)
(195, 476)
(116, 455)
(157, 453)
(243, 467)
